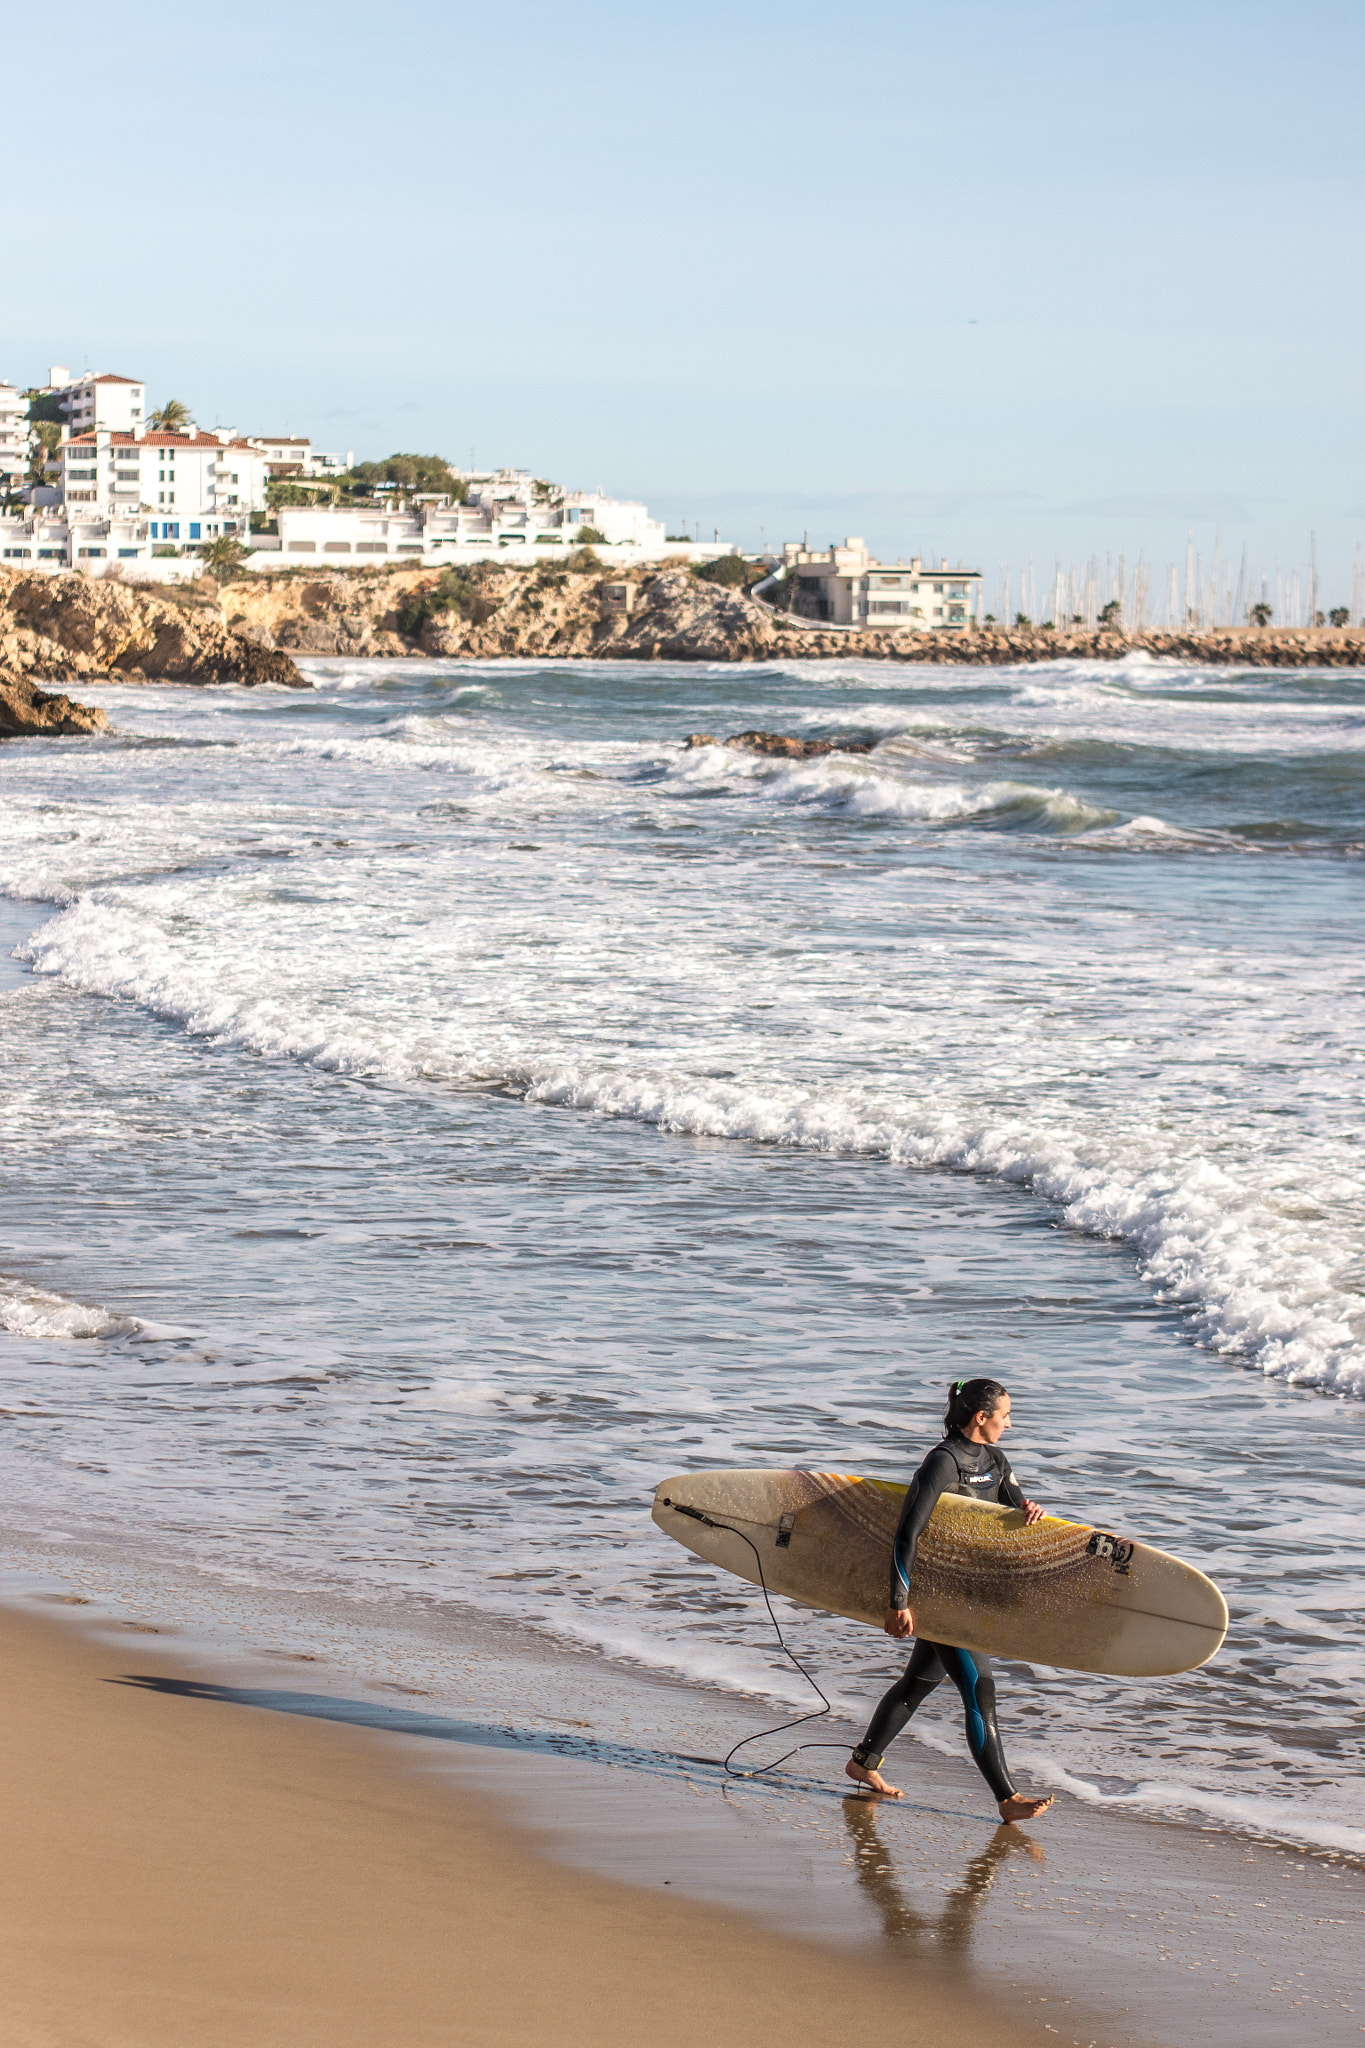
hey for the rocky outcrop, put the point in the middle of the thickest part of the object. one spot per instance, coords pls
(783, 744)
(340, 614)
(24, 708)
(674, 615)
(69, 628)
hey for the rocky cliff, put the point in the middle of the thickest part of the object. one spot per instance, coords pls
(487, 611)
(71, 628)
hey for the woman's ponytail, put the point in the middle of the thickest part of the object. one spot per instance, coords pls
(967, 1398)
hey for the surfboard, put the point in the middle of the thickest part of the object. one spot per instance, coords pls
(1061, 1593)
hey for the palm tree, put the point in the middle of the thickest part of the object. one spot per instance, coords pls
(171, 417)
(1260, 614)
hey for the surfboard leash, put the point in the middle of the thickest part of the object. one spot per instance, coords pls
(816, 1714)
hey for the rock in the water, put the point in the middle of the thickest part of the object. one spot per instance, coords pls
(794, 749)
(24, 708)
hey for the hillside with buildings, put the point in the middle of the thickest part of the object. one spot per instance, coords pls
(411, 555)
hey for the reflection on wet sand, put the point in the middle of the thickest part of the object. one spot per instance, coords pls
(951, 1928)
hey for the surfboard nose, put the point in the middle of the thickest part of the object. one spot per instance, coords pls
(673, 1497)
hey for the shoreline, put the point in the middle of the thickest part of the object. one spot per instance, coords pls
(70, 629)
(597, 1777)
(179, 1868)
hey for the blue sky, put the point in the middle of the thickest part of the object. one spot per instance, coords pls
(994, 280)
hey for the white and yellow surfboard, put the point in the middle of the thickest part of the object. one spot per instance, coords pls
(1061, 1593)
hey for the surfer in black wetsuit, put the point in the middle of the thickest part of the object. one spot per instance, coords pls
(968, 1461)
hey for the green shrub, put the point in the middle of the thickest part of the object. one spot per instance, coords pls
(592, 537)
(732, 572)
(451, 592)
(288, 491)
(410, 473)
(582, 562)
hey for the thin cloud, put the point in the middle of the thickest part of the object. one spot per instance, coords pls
(882, 504)
(1178, 506)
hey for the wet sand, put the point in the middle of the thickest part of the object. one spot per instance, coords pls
(180, 1871)
(1100, 1929)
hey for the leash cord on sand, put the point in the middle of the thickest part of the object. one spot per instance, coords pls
(816, 1714)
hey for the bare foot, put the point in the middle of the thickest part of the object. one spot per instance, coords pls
(1023, 1809)
(873, 1780)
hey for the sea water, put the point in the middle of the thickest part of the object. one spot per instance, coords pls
(439, 1104)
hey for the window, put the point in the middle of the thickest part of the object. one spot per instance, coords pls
(173, 529)
(887, 582)
(194, 529)
(52, 554)
(128, 554)
(128, 476)
(233, 478)
(80, 476)
(19, 554)
(336, 547)
(92, 551)
(888, 604)
(371, 547)
(303, 547)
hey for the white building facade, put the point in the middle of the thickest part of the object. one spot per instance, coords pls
(845, 586)
(35, 540)
(508, 510)
(97, 399)
(293, 455)
(192, 487)
(14, 440)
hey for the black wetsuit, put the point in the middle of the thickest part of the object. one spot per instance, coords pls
(981, 1471)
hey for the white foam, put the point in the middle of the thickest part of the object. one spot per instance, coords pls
(29, 1311)
(1254, 1244)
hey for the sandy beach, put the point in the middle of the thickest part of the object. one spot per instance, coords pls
(179, 1871)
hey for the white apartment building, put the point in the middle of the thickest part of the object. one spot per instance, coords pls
(53, 539)
(492, 521)
(97, 399)
(34, 539)
(195, 487)
(293, 455)
(14, 442)
(510, 505)
(847, 587)
(504, 509)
